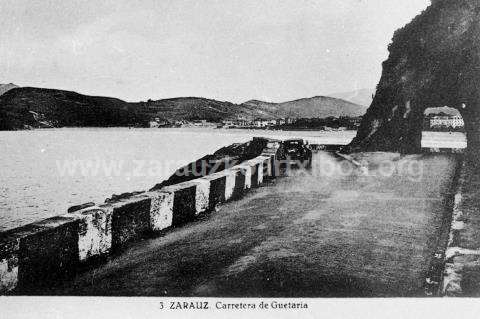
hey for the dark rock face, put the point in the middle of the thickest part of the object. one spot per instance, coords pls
(434, 61)
(223, 158)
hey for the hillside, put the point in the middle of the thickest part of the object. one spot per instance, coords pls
(268, 107)
(36, 107)
(315, 107)
(361, 97)
(4, 88)
(195, 108)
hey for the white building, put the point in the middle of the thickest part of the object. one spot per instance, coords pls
(154, 124)
(447, 121)
(261, 123)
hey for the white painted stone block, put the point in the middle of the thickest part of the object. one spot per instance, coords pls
(202, 194)
(230, 183)
(260, 172)
(161, 210)
(8, 275)
(95, 231)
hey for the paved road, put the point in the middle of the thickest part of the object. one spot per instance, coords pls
(306, 235)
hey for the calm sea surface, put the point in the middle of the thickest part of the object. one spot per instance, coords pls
(43, 172)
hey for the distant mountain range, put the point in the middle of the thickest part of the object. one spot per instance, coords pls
(362, 97)
(23, 107)
(314, 107)
(4, 88)
(196, 108)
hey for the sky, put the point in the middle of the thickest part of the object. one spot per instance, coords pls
(227, 50)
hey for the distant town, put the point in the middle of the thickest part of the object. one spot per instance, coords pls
(327, 124)
(432, 122)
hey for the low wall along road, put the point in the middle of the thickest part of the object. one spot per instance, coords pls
(36, 256)
(307, 234)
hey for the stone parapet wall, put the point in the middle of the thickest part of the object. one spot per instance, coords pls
(461, 274)
(40, 255)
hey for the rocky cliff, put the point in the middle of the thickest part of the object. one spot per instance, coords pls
(433, 61)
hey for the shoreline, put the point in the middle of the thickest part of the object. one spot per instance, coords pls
(53, 151)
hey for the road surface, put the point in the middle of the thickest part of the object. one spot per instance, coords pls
(346, 233)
